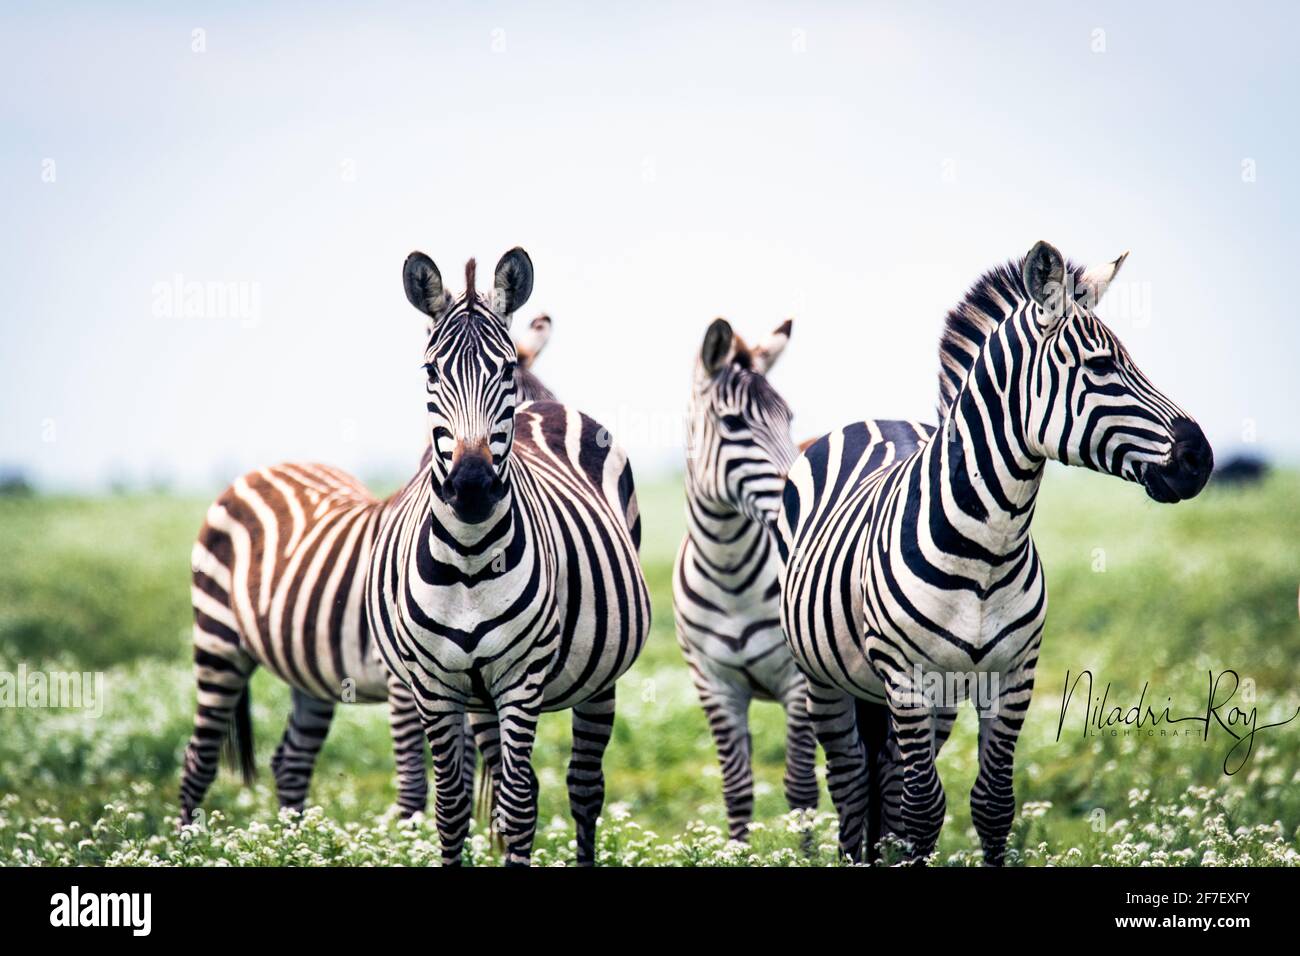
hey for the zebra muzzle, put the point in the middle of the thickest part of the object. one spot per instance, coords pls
(1191, 460)
(473, 488)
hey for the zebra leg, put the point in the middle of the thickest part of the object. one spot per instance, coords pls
(593, 723)
(517, 793)
(891, 784)
(835, 724)
(923, 802)
(873, 728)
(993, 798)
(445, 731)
(221, 671)
(727, 710)
(884, 813)
(800, 750)
(486, 733)
(944, 718)
(408, 749)
(295, 758)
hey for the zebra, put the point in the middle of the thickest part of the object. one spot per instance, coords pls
(725, 591)
(277, 577)
(910, 576)
(506, 580)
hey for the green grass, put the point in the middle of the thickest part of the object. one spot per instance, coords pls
(102, 585)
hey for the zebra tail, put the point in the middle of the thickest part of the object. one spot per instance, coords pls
(237, 749)
(485, 805)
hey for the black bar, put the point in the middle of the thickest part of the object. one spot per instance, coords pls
(333, 906)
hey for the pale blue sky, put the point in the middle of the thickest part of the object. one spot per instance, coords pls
(854, 166)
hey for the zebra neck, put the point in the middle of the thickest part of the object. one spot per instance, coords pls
(723, 537)
(452, 551)
(983, 481)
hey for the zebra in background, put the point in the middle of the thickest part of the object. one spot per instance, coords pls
(908, 553)
(277, 577)
(725, 590)
(505, 580)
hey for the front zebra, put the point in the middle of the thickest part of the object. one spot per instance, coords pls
(909, 558)
(278, 572)
(505, 580)
(725, 591)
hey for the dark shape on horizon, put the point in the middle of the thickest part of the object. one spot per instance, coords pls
(1241, 470)
(15, 484)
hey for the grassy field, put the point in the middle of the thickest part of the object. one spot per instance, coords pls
(1140, 593)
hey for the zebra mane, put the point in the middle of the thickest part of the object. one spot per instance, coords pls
(531, 388)
(742, 356)
(994, 297)
(471, 275)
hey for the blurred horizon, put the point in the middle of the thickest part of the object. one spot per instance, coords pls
(208, 211)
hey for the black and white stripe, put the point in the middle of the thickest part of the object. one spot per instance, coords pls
(725, 590)
(505, 580)
(908, 553)
(278, 573)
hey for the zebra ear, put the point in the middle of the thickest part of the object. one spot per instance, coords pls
(766, 352)
(1096, 280)
(514, 283)
(719, 344)
(533, 339)
(1044, 277)
(423, 285)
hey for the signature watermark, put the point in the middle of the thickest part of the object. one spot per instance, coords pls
(1102, 717)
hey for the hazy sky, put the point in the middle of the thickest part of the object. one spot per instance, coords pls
(855, 166)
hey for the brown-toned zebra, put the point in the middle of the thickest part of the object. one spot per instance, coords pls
(278, 571)
(726, 597)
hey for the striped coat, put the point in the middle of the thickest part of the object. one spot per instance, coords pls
(725, 591)
(911, 581)
(505, 580)
(278, 572)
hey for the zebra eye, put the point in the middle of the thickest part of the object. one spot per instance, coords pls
(508, 370)
(733, 423)
(431, 370)
(1100, 364)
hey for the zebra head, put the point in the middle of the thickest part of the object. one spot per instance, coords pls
(528, 345)
(473, 380)
(739, 427)
(1087, 401)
